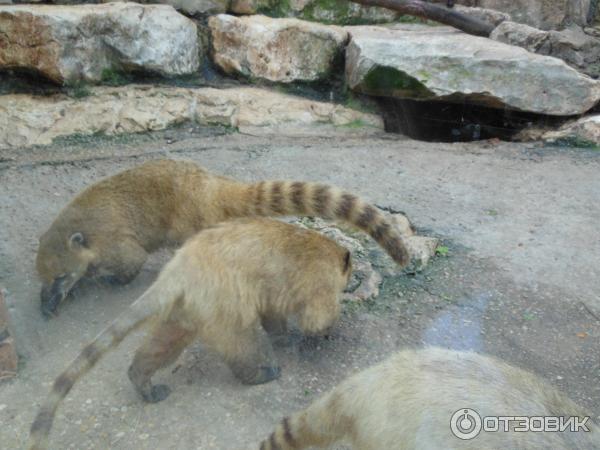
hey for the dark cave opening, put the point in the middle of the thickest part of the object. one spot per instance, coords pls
(443, 121)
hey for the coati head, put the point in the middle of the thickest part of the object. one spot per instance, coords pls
(62, 259)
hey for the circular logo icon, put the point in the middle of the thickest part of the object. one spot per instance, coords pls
(465, 424)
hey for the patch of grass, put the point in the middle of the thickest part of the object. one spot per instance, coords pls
(112, 77)
(356, 123)
(528, 316)
(442, 250)
(576, 142)
(389, 80)
(491, 212)
(79, 89)
(275, 8)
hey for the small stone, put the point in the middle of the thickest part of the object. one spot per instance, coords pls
(8, 355)
(3, 407)
(143, 436)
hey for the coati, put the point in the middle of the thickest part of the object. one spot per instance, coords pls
(408, 401)
(226, 286)
(108, 229)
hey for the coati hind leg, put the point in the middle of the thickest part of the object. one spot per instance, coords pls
(161, 348)
(274, 325)
(123, 261)
(277, 329)
(249, 355)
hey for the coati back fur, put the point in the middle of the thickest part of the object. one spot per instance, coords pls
(407, 402)
(109, 228)
(223, 286)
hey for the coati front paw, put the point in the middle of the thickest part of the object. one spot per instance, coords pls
(266, 374)
(157, 393)
(256, 375)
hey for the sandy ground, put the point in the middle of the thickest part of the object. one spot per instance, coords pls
(521, 280)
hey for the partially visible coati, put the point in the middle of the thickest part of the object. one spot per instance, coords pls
(109, 228)
(408, 401)
(223, 286)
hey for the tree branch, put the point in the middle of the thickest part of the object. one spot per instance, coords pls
(434, 12)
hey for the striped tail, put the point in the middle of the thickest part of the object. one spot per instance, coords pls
(281, 198)
(323, 423)
(140, 311)
(283, 438)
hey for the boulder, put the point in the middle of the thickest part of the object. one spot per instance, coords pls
(487, 15)
(572, 45)
(440, 63)
(85, 42)
(194, 7)
(340, 12)
(283, 50)
(543, 14)
(582, 132)
(35, 120)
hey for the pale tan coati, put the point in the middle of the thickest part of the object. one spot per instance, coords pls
(408, 401)
(108, 229)
(226, 285)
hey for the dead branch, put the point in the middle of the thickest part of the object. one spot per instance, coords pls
(436, 13)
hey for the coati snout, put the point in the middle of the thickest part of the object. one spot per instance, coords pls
(60, 267)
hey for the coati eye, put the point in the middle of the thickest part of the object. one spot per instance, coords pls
(77, 240)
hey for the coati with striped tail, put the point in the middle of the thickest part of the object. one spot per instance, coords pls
(226, 285)
(409, 401)
(108, 229)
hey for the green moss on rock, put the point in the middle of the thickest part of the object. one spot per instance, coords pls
(390, 82)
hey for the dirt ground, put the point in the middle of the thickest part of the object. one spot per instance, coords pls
(521, 280)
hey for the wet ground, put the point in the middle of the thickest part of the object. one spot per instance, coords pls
(521, 280)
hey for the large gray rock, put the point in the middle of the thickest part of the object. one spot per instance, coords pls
(439, 63)
(35, 120)
(584, 131)
(340, 12)
(282, 50)
(572, 45)
(544, 14)
(487, 15)
(194, 7)
(69, 43)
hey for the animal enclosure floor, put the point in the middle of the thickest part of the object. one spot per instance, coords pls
(521, 280)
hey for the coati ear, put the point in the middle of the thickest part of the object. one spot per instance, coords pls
(77, 240)
(347, 257)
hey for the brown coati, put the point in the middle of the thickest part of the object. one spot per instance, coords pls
(226, 285)
(109, 228)
(410, 400)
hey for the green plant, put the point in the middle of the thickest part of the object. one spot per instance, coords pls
(576, 142)
(113, 77)
(442, 250)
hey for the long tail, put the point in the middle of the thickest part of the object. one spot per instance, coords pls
(282, 198)
(141, 310)
(323, 423)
